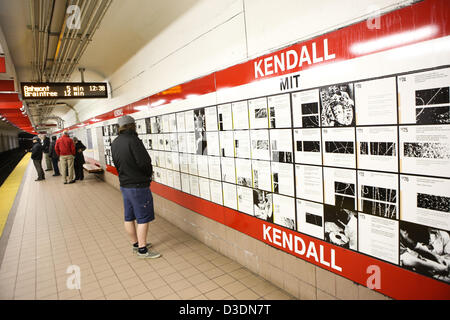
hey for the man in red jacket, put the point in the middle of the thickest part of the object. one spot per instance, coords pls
(65, 149)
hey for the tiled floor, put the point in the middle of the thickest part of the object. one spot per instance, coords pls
(57, 225)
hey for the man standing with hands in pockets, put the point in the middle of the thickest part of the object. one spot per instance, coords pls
(135, 174)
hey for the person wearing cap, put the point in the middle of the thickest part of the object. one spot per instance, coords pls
(135, 174)
(36, 156)
(65, 149)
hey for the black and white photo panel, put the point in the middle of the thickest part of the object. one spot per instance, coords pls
(263, 205)
(259, 140)
(225, 117)
(204, 189)
(279, 111)
(242, 143)
(309, 182)
(261, 175)
(259, 114)
(378, 237)
(378, 194)
(184, 162)
(175, 161)
(340, 187)
(307, 146)
(189, 121)
(284, 211)
(169, 174)
(310, 218)
(181, 126)
(306, 109)
(173, 123)
(245, 199)
(424, 97)
(341, 226)
(425, 250)
(212, 141)
(202, 164)
(173, 141)
(215, 188)
(425, 150)
(377, 148)
(240, 115)
(177, 180)
(228, 170)
(191, 142)
(214, 168)
(229, 195)
(281, 145)
(185, 183)
(338, 106)
(194, 185)
(140, 127)
(338, 145)
(425, 201)
(376, 102)
(283, 178)
(193, 166)
(211, 119)
(168, 160)
(182, 142)
(156, 124)
(244, 172)
(199, 120)
(165, 122)
(200, 131)
(226, 139)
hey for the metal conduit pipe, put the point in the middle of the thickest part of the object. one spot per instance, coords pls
(58, 46)
(64, 67)
(33, 63)
(91, 35)
(67, 44)
(82, 40)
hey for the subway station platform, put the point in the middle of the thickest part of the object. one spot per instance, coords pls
(53, 226)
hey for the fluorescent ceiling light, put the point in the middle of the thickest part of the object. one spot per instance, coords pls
(394, 40)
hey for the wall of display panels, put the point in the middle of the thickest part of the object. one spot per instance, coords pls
(363, 165)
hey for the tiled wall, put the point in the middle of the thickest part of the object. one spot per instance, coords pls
(298, 277)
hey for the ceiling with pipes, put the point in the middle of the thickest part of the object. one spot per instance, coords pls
(51, 40)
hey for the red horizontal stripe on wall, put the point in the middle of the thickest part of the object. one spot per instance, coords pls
(422, 21)
(2, 65)
(395, 281)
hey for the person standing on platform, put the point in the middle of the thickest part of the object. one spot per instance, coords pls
(65, 149)
(79, 159)
(36, 156)
(54, 157)
(135, 174)
(46, 150)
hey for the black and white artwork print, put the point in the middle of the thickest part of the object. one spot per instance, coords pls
(338, 106)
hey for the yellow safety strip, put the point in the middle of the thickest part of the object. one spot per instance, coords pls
(9, 189)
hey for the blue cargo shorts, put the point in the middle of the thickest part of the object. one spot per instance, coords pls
(138, 204)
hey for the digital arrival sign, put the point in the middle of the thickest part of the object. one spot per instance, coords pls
(64, 90)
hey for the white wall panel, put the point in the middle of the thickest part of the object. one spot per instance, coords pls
(274, 24)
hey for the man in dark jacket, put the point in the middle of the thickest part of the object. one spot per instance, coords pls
(135, 173)
(54, 157)
(46, 150)
(79, 159)
(36, 156)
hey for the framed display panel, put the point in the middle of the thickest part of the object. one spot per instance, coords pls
(389, 181)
